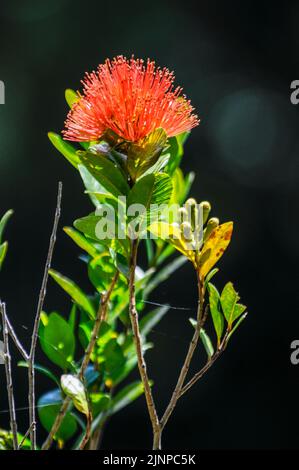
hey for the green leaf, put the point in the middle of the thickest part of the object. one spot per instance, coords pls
(74, 291)
(176, 150)
(72, 317)
(120, 262)
(66, 149)
(3, 222)
(81, 241)
(6, 441)
(130, 364)
(210, 275)
(89, 226)
(105, 172)
(159, 165)
(149, 191)
(3, 251)
(165, 253)
(101, 271)
(149, 250)
(114, 358)
(238, 310)
(178, 184)
(71, 97)
(126, 396)
(206, 343)
(99, 402)
(217, 317)
(58, 341)
(84, 333)
(41, 369)
(49, 405)
(229, 298)
(91, 184)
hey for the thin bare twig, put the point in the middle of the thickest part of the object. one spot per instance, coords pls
(41, 299)
(201, 317)
(15, 339)
(56, 425)
(139, 350)
(97, 436)
(100, 317)
(10, 391)
(87, 434)
(24, 438)
(207, 366)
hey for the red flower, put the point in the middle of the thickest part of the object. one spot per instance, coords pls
(130, 98)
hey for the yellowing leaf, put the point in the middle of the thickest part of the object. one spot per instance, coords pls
(214, 248)
(173, 235)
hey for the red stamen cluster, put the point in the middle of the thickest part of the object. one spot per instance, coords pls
(130, 98)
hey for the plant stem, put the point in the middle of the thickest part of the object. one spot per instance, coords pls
(139, 350)
(41, 299)
(157, 439)
(16, 340)
(207, 366)
(10, 391)
(56, 425)
(100, 317)
(96, 440)
(192, 346)
(24, 439)
(87, 434)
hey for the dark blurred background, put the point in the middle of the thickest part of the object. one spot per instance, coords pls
(236, 61)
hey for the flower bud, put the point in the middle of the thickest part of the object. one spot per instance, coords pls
(190, 202)
(205, 207)
(192, 208)
(74, 389)
(186, 231)
(183, 214)
(212, 223)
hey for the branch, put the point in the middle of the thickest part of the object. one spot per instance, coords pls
(41, 299)
(207, 366)
(15, 339)
(87, 434)
(100, 317)
(24, 438)
(56, 425)
(192, 346)
(102, 314)
(10, 392)
(138, 342)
